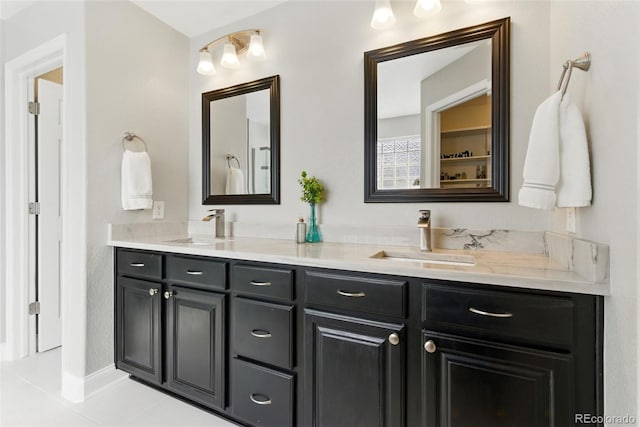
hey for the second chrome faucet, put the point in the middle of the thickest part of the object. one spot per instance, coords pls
(424, 226)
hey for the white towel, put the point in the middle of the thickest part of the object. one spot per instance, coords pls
(235, 181)
(137, 189)
(574, 187)
(542, 164)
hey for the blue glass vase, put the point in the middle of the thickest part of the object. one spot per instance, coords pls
(313, 233)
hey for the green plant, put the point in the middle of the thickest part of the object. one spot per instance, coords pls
(312, 189)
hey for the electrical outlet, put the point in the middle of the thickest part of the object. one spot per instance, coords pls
(571, 220)
(158, 210)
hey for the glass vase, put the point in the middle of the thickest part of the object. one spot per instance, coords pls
(313, 233)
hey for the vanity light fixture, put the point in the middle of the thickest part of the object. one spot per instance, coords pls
(383, 17)
(238, 43)
(425, 8)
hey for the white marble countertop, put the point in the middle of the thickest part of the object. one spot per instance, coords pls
(521, 270)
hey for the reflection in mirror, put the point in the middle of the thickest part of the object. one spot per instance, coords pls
(436, 117)
(448, 91)
(241, 143)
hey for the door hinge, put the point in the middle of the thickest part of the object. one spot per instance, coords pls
(34, 208)
(34, 308)
(34, 108)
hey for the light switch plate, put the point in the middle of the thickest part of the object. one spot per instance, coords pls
(158, 209)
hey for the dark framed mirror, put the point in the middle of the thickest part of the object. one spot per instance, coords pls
(241, 144)
(437, 117)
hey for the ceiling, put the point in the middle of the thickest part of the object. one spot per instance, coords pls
(190, 17)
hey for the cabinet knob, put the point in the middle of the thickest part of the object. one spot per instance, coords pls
(153, 291)
(430, 347)
(168, 294)
(394, 339)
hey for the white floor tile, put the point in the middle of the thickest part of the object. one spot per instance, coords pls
(30, 396)
(173, 412)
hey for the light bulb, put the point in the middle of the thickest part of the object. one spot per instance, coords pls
(425, 8)
(383, 15)
(229, 57)
(256, 48)
(205, 65)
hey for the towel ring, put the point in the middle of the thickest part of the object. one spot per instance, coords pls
(130, 136)
(231, 157)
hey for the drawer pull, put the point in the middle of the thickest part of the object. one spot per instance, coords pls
(351, 294)
(259, 333)
(153, 291)
(489, 314)
(195, 273)
(264, 400)
(254, 283)
(137, 264)
(168, 294)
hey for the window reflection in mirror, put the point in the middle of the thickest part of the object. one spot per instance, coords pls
(434, 119)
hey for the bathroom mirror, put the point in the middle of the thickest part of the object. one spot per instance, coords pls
(241, 144)
(437, 118)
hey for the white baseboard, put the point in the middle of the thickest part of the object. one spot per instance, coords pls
(76, 389)
(72, 387)
(102, 378)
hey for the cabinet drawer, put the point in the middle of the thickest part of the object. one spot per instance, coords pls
(364, 294)
(263, 331)
(262, 396)
(263, 281)
(139, 264)
(539, 319)
(198, 272)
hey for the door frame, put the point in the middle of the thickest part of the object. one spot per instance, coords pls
(18, 71)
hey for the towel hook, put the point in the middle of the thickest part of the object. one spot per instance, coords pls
(583, 63)
(130, 136)
(232, 157)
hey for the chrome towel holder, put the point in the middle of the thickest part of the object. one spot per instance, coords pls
(232, 157)
(130, 136)
(583, 63)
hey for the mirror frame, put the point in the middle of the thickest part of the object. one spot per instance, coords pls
(499, 33)
(273, 84)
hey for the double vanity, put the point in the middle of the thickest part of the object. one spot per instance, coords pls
(268, 332)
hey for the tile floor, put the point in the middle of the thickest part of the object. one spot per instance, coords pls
(30, 396)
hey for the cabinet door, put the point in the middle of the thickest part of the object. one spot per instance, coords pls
(354, 372)
(195, 345)
(477, 383)
(139, 340)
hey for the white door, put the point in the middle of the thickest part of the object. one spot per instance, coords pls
(49, 140)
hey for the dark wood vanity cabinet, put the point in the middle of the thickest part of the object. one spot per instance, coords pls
(172, 336)
(272, 345)
(499, 358)
(138, 328)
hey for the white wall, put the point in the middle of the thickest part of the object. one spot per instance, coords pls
(137, 81)
(399, 126)
(608, 98)
(2, 202)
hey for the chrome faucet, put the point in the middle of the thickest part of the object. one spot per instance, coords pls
(218, 214)
(424, 225)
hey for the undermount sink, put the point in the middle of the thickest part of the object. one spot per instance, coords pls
(426, 257)
(196, 241)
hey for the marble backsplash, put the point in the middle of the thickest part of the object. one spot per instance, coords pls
(588, 259)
